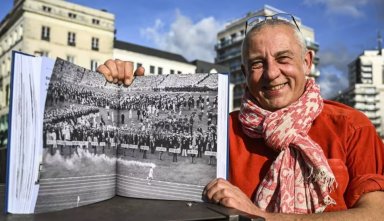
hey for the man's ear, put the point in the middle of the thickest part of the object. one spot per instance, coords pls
(308, 61)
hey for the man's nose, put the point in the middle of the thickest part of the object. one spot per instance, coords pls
(271, 71)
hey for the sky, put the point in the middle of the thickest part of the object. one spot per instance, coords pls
(343, 28)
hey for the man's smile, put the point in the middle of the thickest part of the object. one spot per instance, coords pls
(275, 87)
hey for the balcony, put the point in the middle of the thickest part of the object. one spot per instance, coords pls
(372, 115)
(366, 107)
(237, 80)
(376, 122)
(228, 42)
(366, 68)
(228, 56)
(365, 99)
(312, 45)
(235, 68)
(366, 90)
(316, 60)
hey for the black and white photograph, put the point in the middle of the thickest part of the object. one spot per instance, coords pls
(154, 139)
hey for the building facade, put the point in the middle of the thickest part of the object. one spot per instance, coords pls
(152, 60)
(53, 28)
(366, 87)
(228, 50)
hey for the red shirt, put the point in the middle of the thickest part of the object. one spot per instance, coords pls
(350, 142)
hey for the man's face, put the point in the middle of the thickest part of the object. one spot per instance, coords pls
(275, 67)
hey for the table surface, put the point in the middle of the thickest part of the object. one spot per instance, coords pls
(123, 208)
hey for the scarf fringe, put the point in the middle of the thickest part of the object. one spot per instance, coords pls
(327, 182)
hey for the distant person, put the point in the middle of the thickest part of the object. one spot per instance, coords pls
(150, 176)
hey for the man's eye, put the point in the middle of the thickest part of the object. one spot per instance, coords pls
(256, 65)
(283, 59)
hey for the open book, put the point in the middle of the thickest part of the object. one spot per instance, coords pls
(76, 139)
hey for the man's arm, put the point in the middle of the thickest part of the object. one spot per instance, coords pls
(369, 206)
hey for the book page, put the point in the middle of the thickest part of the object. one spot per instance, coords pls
(170, 147)
(79, 147)
(25, 134)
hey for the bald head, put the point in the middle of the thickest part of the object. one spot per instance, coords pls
(271, 23)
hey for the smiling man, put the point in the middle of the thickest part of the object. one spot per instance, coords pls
(291, 152)
(293, 155)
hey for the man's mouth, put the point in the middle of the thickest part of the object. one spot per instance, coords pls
(275, 87)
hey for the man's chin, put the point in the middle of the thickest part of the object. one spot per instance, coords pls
(274, 105)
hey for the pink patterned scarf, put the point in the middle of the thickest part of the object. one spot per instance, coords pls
(300, 179)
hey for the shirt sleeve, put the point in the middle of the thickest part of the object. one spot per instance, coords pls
(365, 163)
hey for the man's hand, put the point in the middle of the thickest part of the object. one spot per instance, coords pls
(118, 71)
(222, 192)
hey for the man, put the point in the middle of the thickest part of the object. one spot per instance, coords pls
(292, 155)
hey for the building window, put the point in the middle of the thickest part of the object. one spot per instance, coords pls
(152, 69)
(179, 72)
(172, 71)
(41, 53)
(71, 58)
(159, 70)
(71, 38)
(45, 33)
(138, 65)
(3, 68)
(7, 95)
(44, 53)
(47, 9)
(382, 71)
(95, 21)
(95, 44)
(94, 65)
(72, 15)
(1, 83)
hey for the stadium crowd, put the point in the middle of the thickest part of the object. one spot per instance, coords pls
(96, 117)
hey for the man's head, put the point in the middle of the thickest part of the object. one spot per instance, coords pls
(275, 63)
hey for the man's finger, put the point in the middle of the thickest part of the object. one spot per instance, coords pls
(111, 65)
(210, 185)
(120, 66)
(139, 71)
(106, 72)
(128, 73)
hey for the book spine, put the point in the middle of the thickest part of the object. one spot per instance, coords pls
(9, 133)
